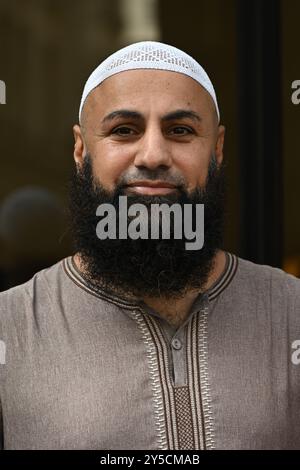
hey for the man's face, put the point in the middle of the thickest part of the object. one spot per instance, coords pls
(143, 121)
(153, 136)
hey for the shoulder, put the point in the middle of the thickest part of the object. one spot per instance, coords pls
(42, 277)
(266, 276)
(269, 287)
(16, 302)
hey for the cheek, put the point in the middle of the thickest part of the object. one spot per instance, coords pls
(110, 162)
(194, 170)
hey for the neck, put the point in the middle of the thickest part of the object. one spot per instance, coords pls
(176, 311)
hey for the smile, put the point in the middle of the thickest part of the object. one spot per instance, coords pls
(151, 187)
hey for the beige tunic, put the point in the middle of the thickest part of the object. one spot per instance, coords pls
(85, 369)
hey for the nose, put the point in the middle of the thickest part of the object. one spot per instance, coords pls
(153, 150)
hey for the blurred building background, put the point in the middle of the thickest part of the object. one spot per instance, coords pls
(49, 47)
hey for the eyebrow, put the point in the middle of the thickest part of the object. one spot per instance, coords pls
(123, 113)
(181, 114)
(130, 114)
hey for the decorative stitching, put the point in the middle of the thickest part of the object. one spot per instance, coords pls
(194, 383)
(204, 378)
(167, 387)
(226, 278)
(159, 409)
(184, 418)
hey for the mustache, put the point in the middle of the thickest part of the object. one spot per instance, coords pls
(153, 175)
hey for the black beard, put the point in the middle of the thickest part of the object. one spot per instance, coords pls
(145, 267)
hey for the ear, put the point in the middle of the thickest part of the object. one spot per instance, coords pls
(79, 147)
(220, 144)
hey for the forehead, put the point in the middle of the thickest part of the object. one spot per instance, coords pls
(158, 91)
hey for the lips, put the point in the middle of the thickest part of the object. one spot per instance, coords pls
(151, 187)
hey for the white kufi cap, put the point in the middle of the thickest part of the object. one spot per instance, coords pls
(149, 55)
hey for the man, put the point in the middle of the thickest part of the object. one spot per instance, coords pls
(136, 342)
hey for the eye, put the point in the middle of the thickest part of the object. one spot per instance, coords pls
(181, 130)
(123, 131)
